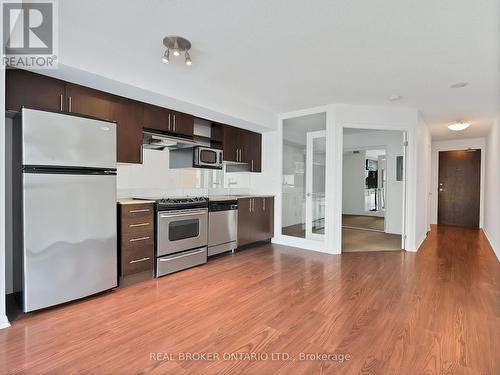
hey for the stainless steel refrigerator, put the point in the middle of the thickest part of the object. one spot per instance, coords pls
(67, 207)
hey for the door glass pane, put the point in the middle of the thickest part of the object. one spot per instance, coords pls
(318, 183)
(303, 179)
(182, 229)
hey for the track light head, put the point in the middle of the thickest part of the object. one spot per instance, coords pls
(166, 56)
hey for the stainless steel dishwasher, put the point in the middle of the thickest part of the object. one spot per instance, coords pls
(222, 226)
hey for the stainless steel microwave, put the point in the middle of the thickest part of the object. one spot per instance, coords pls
(207, 157)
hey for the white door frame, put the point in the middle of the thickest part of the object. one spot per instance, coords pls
(340, 153)
(311, 136)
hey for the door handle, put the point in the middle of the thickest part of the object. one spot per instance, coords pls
(142, 210)
(61, 101)
(169, 122)
(263, 204)
(181, 215)
(138, 260)
(138, 225)
(252, 166)
(236, 154)
(174, 122)
(69, 104)
(139, 239)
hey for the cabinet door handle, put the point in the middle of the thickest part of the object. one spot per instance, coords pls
(174, 122)
(139, 239)
(236, 154)
(169, 122)
(263, 204)
(252, 166)
(61, 102)
(139, 260)
(141, 210)
(138, 225)
(69, 104)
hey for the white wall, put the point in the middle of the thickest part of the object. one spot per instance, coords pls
(423, 183)
(458, 144)
(492, 188)
(392, 142)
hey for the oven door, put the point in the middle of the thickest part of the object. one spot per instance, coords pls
(181, 230)
(208, 157)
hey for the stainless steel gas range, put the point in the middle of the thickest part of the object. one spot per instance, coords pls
(181, 233)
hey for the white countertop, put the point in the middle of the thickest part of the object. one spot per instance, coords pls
(133, 201)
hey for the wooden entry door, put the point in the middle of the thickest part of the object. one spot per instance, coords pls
(459, 188)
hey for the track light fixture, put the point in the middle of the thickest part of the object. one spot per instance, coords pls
(166, 56)
(178, 45)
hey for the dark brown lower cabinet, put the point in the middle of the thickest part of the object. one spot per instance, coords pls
(136, 243)
(255, 220)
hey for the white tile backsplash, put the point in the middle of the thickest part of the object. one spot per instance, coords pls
(154, 178)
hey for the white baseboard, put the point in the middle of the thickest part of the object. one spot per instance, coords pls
(414, 250)
(4, 322)
(496, 251)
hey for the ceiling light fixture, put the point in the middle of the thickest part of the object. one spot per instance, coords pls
(458, 126)
(178, 45)
(166, 56)
(394, 98)
(459, 85)
(188, 59)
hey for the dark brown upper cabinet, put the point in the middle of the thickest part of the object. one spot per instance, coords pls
(24, 88)
(242, 146)
(252, 151)
(157, 118)
(127, 114)
(231, 143)
(182, 124)
(166, 120)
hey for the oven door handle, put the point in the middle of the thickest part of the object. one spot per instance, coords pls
(180, 215)
(181, 256)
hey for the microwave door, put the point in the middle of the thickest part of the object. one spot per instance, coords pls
(207, 156)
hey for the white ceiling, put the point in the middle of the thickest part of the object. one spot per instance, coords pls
(283, 55)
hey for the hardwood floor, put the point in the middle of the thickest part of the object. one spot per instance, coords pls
(432, 312)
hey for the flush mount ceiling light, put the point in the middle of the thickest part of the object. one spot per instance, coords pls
(394, 98)
(177, 45)
(459, 125)
(459, 85)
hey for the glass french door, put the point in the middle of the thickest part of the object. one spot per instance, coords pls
(304, 180)
(315, 184)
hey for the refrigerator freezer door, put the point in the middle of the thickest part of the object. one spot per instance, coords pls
(70, 248)
(58, 139)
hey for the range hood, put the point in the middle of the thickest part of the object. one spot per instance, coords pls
(158, 141)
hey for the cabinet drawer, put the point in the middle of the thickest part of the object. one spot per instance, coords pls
(133, 225)
(137, 211)
(138, 264)
(137, 239)
(133, 254)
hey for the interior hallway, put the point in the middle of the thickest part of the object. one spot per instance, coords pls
(434, 311)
